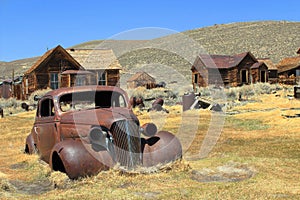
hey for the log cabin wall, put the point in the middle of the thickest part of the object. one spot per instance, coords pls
(233, 75)
(217, 76)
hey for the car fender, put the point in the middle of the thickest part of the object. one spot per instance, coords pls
(77, 159)
(29, 145)
(162, 148)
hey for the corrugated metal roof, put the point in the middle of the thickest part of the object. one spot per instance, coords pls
(223, 61)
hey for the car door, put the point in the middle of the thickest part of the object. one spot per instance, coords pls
(45, 128)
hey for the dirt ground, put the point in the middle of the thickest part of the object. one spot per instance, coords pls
(256, 156)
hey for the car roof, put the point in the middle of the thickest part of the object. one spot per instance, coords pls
(67, 90)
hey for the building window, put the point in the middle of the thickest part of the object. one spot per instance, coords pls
(102, 78)
(53, 81)
(80, 80)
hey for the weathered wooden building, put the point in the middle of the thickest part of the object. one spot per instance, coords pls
(102, 63)
(227, 70)
(289, 70)
(6, 89)
(141, 79)
(61, 67)
(11, 88)
(47, 72)
(272, 70)
(259, 72)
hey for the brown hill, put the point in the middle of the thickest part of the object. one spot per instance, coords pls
(271, 39)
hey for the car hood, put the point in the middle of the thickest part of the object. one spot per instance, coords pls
(102, 116)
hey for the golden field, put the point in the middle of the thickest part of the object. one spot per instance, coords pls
(256, 156)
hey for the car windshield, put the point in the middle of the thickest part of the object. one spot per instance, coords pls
(91, 100)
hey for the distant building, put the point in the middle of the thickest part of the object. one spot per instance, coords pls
(289, 69)
(228, 70)
(141, 79)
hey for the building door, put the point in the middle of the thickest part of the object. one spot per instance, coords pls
(263, 77)
(244, 76)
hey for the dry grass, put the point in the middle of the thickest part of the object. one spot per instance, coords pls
(258, 139)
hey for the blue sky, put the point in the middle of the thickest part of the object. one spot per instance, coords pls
(29, 27)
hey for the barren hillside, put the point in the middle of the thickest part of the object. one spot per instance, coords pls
(272, 39)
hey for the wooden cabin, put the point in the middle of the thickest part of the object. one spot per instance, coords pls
(289, 70)
(272, 69)
(61, 67)
(6, 89)
(225, 70)
(48, 72)
(11, 88)
(101, 62)
(141, 79)
(259, 72)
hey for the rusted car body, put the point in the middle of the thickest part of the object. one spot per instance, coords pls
(84, 130)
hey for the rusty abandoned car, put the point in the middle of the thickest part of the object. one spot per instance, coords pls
(83, 130)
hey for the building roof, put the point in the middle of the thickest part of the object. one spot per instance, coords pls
(268, 62)
(258, 65)
(95, 59)
(289, 63)
(223, 61)
(48, 55)
(138, 75)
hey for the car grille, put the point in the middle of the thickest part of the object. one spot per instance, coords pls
(127, 143)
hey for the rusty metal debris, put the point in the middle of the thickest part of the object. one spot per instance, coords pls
(83, 130)
(157, 105)
(136, 102)
(195, 101)
(25, 106)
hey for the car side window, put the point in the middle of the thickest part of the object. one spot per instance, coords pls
(47, 108)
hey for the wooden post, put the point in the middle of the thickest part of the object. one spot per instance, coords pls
(13, 84)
